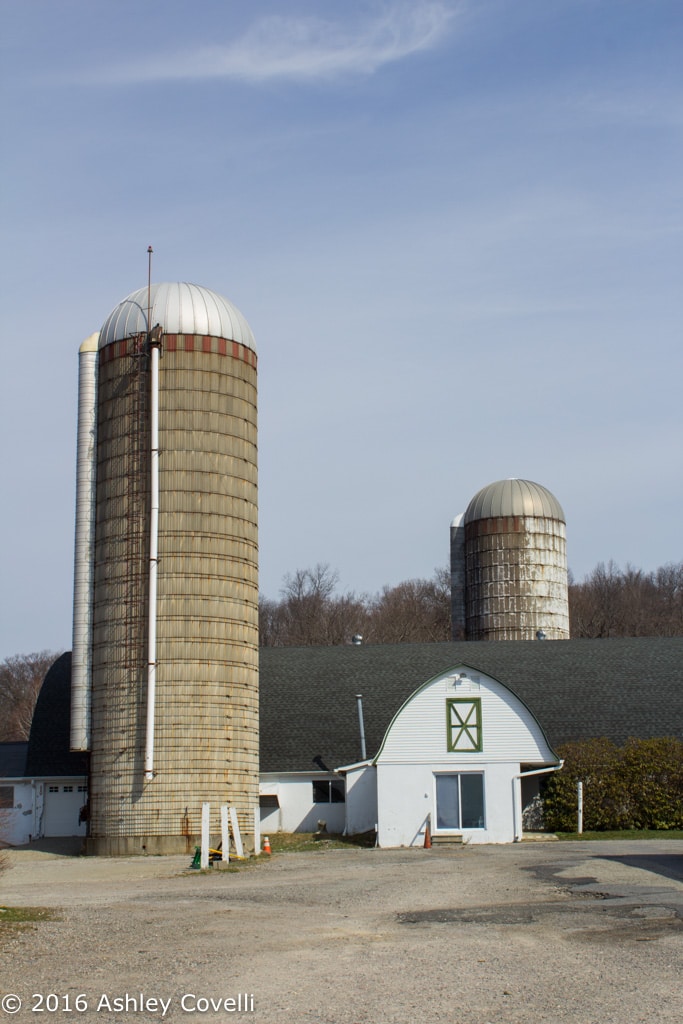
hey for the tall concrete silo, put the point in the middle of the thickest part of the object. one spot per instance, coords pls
(173, 637)
(512, 540)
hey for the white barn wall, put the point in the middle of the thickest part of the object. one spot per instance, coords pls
(361, 799)
(297, 811)
(16, 822)
(510, 731)
(406, 796)
(39, 813)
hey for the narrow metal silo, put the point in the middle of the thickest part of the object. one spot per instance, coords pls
(458, 580)
(175, 592)
(516, 564)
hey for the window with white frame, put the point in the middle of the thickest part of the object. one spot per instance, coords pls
(460, 801)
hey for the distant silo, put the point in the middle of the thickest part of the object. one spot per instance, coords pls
(458, 581)
(174, 688)
(515, 559)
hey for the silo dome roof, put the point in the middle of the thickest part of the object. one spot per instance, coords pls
(514, 498)
(180, 308)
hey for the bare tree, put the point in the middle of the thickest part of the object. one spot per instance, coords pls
(412, 611)
(669, 583)
(311, 613)
(611, 602)
(21, 677)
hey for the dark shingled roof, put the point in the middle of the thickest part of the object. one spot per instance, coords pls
(48, 744)
(12, 760)
(577, 689)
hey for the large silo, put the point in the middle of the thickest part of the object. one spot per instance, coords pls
(174, 634)
(515, 556)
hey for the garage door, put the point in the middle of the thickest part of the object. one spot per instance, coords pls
(63, 803)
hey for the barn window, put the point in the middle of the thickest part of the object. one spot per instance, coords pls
(67, 789)
(328, 791)
(6, 796)
(53, 789)
(460, 801)
(463, 719)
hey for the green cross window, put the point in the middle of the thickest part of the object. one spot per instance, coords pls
(463, 717)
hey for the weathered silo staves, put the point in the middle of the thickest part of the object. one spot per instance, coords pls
(205, 706)
(511, 548)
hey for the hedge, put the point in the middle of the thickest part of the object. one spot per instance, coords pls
(637, 786)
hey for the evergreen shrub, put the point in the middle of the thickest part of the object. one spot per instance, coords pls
(637, 786)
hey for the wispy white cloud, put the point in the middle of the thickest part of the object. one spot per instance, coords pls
(303, 49)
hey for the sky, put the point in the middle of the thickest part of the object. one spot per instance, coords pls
(455, 229)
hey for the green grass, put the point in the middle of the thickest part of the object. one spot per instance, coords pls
(13, 915)
(625, 834)
(14, 918)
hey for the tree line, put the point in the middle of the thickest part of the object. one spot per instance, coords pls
(614, 602)
(311, 613)
(608, 602)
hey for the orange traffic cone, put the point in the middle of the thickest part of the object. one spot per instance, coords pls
(266, 845)
(428, 838)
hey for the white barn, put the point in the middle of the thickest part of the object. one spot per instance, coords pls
(458, 736)
(454, 759)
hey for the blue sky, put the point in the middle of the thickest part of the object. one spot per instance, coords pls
(455, 230)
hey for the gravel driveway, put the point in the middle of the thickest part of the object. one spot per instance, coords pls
(581, 932)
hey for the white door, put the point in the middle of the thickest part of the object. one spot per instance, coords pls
(63, 802)
(459, 801)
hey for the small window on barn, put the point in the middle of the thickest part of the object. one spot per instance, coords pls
(67, 789)
(328, 791)
(53, 789)
(463, 720)
(268, 800)
(6, 796)
(82, 789)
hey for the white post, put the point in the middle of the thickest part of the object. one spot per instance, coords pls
(236, 835)
(257, 830)
(204, 861)
(579, 795)
(225, 834)
(517, 808)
